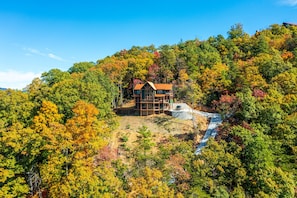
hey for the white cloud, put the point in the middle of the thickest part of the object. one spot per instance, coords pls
(32, 51)
(289, 2)
(15, 79)
(55, 57)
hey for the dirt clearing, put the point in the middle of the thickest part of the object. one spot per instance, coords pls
(162, 126)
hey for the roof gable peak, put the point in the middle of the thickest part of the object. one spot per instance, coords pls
(151, 84)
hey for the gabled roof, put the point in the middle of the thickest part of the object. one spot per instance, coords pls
(154, 86)
(151, 84)
(138, 86)
(163, 86)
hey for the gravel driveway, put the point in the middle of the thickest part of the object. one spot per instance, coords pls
(185, 112)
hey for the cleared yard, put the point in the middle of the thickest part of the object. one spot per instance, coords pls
(162, 126)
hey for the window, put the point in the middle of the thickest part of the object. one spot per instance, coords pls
(160, 92)
(148, 93)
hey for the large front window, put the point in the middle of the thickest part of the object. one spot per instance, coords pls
(147, 93)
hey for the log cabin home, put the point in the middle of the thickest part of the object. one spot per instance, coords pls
(152, 98)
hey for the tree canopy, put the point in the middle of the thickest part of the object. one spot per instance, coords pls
(55, 136)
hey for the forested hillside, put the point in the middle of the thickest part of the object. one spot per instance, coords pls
(55, 135)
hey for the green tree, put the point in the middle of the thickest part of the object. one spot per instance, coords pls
(81, 67)
(249, 108)
(38, 91)
(144, 146)
(208, 56)
(271, 65)
(218, 165)
(65, 94)
(54, 76)
(167, 62)
(261, 45)
(271, 115)
(286, 82)
(13, 159)
(190, 93)
(236, 31)
(15, 106)
(263, 177)
(98, 89)
(189, 52)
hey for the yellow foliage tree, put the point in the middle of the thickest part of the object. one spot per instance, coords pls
(215, 79)
(73, 169)
(13, 141)
(86, 131)
(254, 78)
(150, 185)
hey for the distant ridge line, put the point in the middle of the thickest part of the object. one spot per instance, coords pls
(289, 24)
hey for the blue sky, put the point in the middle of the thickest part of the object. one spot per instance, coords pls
(39, 35)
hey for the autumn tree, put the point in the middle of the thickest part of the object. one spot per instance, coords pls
(150, 184)
(71, 169)
(86, 131)
(286, 82)
(116, 68)
(227, 105)
(191, 93)
(214, 81)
